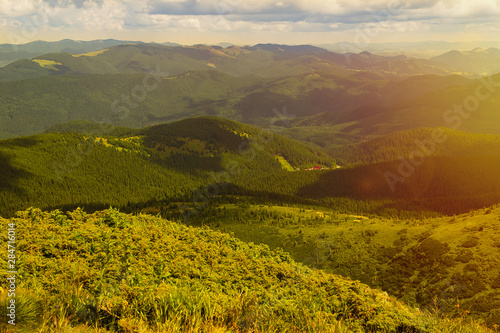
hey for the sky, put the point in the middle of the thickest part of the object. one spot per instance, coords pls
(251, 21)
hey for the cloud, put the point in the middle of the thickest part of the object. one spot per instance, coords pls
(306, 16)
(17, 8)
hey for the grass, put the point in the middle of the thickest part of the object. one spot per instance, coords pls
(284, 163)
(90, 54)
(112, 272)
(451, 258)
(47, 63)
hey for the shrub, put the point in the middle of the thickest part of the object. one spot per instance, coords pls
(496, 282)
(471, 241)
(464, 256)
(432, 249)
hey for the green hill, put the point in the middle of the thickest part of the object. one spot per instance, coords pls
(166, 163)
(447, 184)
(438, 109)
(420, 101)
(393, 146)
(445, 263)
(110, 272)
(31, 106)
(140, 167)
(135, 100)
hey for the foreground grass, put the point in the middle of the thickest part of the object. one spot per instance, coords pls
(453, 259)
(111, 272)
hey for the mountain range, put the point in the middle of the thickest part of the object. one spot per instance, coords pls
(240, 83)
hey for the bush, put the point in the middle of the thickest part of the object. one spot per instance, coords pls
(470, 242)
(464, 256)
(496, 282)
(432, 249)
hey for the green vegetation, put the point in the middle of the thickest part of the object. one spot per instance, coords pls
(393, 146)
(31, 106)
(448, 263)
(284, 163)
(141, 167)
(111, 272)
(405, 212)
(246, 85)
(168, 162)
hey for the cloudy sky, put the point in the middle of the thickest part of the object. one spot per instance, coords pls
(250, 21)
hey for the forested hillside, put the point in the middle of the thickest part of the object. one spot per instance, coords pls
(417, 142)
(31, 106)
(163, 163)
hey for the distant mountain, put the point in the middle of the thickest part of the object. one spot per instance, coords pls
(12, 52)
(31, 106)
(264, 60)
(480, 61)
(432, 108)
(421, 50)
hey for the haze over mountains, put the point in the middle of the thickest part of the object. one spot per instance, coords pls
(412, 49)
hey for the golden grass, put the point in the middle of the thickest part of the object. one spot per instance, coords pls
(90, 54)
(46, 63)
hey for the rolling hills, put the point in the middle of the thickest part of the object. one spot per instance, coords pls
(264, 60)
(331, 98)
(141, 167)
(166, 163)
(246, 140)
(478, 60)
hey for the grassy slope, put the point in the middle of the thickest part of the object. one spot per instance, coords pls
(116, 272)
(448, 263)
